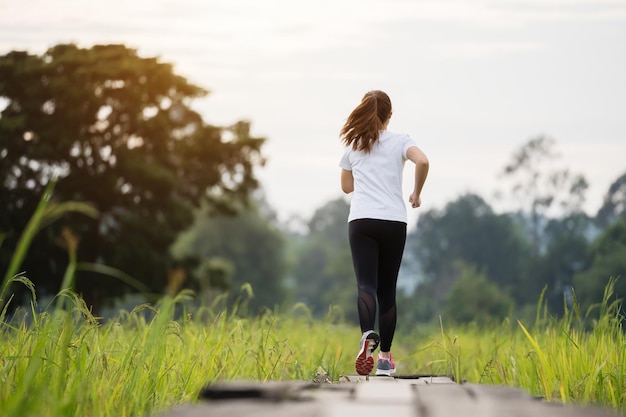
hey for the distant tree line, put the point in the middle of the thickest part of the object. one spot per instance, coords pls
(525, 252)
(471, 263)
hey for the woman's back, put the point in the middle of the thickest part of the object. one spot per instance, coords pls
(378, 178)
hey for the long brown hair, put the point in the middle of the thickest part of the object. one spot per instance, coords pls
(364, 124)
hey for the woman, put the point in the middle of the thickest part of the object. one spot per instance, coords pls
(372, 166)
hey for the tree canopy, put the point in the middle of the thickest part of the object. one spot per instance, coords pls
(118, 131)
(248, 245)
(323, 274)
(614, 206)
(539, 188)
(608, 261)
(467, 229)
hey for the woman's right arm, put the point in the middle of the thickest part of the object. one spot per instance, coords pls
(422, 164)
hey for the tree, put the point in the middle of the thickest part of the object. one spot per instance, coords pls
(467, 231)
(607, 260)
(323, 274)
(249, 243)
(567, 243)
(119, 133)
(539, 191)
(473, 298)
(614, 206)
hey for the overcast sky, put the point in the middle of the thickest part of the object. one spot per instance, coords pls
(470, 80)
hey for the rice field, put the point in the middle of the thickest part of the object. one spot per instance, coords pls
(66, 362)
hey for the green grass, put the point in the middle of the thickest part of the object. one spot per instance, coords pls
(575, 359)
(67, 363)
(147, 360)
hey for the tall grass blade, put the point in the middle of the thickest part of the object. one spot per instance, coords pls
(45, 214)
(25, 239)
(113, 273)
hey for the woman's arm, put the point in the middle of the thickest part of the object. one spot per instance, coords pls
(422, 164)
(347, 181)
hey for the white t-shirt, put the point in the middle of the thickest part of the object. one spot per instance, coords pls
(378, 178)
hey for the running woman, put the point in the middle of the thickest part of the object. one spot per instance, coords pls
(372, 167)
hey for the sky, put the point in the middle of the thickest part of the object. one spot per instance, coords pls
(470, 80)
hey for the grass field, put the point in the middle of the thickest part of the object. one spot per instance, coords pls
(65, 362)
(68, 363)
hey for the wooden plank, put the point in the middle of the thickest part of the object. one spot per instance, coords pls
(415, 396)
(493, 401)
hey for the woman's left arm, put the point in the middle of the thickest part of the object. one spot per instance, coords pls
(347, 181)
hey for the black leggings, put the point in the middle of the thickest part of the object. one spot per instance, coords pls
(377, 247)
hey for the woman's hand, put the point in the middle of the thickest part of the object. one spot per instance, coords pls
(415, 200)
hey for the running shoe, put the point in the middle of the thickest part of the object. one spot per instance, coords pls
(385, 366)
(365, 361)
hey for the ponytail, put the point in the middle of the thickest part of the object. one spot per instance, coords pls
(363, 126)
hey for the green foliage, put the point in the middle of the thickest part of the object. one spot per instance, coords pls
(147, 360)
(215, 274)
(567, 243)
(467, 230)
(323, 274)
(118, 131)
(538, 189)
(542, 244)
(608, 259)
(614, 206)
(46, 213)
(473, 298)
(234, 250)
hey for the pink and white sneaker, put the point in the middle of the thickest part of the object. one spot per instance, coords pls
(364, 362)
(384, 366)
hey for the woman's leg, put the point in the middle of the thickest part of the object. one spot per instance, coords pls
(390, 257)
(365, 261)
(377, 247)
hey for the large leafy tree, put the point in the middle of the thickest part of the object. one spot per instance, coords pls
(118, 132)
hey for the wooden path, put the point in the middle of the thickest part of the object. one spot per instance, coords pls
(354, 396)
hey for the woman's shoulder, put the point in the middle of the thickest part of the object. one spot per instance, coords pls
(396, 137)
(392, 134)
